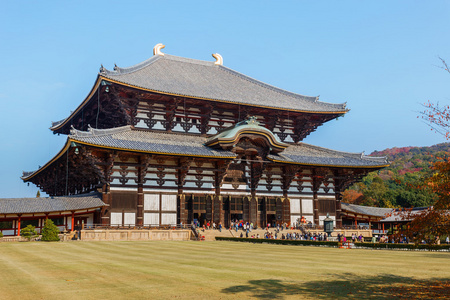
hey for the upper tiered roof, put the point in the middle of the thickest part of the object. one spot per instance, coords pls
(181, 76)
(205, 80)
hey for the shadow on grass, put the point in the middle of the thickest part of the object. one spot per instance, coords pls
(347, 286)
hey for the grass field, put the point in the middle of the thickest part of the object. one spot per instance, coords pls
(217, 270)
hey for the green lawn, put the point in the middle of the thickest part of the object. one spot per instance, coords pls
(216, 270)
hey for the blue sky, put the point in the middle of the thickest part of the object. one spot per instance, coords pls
(380, 57)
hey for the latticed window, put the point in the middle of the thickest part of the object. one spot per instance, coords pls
(199, 203)
(58, 221)
(261, 204)
(6, 225)
(271, 204)
(236, 203)
(25, 223)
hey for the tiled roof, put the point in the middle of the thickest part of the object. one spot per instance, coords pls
(56, 204)
(146, 141)
(313, 155)
(404, 215)
(203, 79)
(366, 210)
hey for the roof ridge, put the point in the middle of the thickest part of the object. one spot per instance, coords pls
(351, 154)
(98, 132)
(139, 66)
(118, 71)
(147, 62)
(314, 99)
(176, 133)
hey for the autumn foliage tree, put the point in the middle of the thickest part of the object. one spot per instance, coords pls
(430, 224)
(438, 116)
(434, 222)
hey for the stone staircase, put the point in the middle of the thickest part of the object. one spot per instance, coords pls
(210, 235)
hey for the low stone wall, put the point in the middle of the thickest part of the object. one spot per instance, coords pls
(135, 235)
(346, 232)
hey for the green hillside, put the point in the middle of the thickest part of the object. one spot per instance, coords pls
(400, 184)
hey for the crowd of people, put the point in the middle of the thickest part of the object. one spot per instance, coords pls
(275, 231)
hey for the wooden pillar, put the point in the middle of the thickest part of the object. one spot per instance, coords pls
(106, 210)
(140, 206)
(72, 221)
(181, 209)
(265, 212)
(218, 215)
(18, 225)
(383, 228)
(253, 210)
(315, 202)
(209, 208)
(286, 210)
(338, 209)
(246, 208)
(279, 210)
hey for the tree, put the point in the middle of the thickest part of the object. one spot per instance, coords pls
(38, 194)
(438, 116)
(352, 197)
(50, 231)
(434, 222)
(29, 232)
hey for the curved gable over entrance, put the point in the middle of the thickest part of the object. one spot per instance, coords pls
(248, 130)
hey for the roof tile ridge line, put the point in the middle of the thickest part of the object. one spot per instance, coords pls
(149, 61)
(351, 154)
(131, 69)
(190, 60)
(93, 132)
(277, 89)
(176, 133)
(368, 157)
(56, 123)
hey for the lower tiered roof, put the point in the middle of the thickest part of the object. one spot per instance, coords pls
(127, 138)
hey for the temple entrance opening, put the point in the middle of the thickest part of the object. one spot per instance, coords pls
(272, 220)
(237, 217)
(200, 218)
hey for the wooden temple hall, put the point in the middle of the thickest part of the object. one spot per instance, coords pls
(172, 140)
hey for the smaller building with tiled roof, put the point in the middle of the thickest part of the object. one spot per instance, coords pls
(66, 212)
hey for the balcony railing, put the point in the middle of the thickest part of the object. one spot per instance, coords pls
(134, 227)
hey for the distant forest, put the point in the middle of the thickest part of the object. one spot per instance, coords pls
(402, 183)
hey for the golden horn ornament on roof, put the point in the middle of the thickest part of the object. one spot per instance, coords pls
(157, 49)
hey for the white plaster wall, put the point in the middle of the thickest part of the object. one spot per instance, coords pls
(307, 206)
(123, 188)
(129, 219)
(321, 218)
(169, 219)
(69, 222)
(295, 206)
(169, 202)
(294, 220)
(116, 218)
(151, 219)
(151, 201)
(309, 219)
